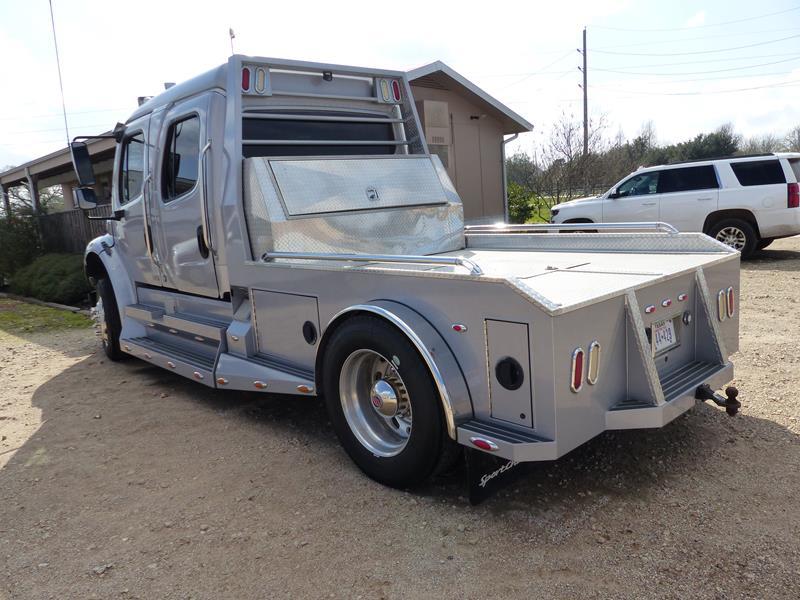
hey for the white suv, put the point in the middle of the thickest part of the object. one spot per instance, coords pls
(744, 201)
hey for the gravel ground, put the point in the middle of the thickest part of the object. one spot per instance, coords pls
(125, 481)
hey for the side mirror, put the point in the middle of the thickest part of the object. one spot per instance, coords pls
(82, 163)
(614, 194)
(85, 198)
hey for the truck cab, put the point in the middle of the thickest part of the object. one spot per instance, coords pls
(281, 227)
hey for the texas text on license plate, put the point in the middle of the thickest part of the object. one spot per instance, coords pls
(664, 336)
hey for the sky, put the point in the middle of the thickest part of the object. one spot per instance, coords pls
(686, 66)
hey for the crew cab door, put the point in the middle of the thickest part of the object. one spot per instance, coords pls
(130, 191)
(181, 184)
(636, 200)
(688, 195)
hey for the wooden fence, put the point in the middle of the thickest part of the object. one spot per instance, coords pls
(70, 231)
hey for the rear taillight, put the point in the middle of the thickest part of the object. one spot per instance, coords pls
(731, 308)
(245, 79)
(396, 90)
(794, 195)
(576, 377)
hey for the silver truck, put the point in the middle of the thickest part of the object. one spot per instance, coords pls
(280, 227)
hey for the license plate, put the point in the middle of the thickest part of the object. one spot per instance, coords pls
(664, 336)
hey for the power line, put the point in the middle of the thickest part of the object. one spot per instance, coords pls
(52, 129)
(83, 112)
(60, 82)
(698, 51)
(542, 71)
(739, 68)
(721, 24)
(725, 78)
(791, 83)
(710, 60)
(702, 38)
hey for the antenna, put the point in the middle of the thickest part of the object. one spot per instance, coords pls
(233, 35)
(58, 64)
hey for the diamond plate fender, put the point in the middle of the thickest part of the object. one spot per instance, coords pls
(442, 364)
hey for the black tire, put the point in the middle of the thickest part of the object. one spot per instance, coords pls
(736, 227)
(111, 328)
(764, 242)
(427, 442)
(576, 222)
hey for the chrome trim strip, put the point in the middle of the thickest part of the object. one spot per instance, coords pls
(593, 372)
(247, 142)
(457, 261)
(444, 395)
(575, 353)
(512, 228)
(203, 196)
(294, 117)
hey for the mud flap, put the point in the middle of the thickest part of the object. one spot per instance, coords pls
(486, 474)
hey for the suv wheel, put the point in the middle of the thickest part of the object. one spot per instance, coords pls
(737, 234)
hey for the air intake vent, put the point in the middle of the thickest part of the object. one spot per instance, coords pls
(435, 117)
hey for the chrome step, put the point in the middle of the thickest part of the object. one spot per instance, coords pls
(512, 444)
(690, 375)
(176, 358)
(190, 324)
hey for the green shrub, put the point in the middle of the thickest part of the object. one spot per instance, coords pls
(53, 278)
(520, 208)
(19, 245)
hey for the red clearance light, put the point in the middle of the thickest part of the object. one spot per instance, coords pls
(245, 79)
(396, 90)
(650, 309)
(731, 308)
(483, 444)
(682, 297)
(576, 377)
(666, 302)
(794, 195)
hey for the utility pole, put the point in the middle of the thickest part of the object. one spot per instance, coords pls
(585, 101)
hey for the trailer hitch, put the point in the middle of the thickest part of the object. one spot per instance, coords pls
(730, 404)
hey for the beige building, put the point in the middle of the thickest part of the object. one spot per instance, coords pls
(466, 127)
(463, 125)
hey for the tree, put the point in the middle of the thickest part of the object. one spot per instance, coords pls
(792, 140)
(760, 144)
(50, 199)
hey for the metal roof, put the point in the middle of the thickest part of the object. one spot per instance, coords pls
(438, 75)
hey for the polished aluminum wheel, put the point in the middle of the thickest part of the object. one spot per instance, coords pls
(375, 402)
(100, 325)
(733, 237)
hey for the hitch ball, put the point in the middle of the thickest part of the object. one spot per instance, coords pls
(730, 403)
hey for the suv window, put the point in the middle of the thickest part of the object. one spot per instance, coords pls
(685, 179)
(759, 172)
(639, 185)
(132, 168)
(795, 164)
(181, 158)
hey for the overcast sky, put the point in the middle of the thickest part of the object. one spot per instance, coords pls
(687, 66)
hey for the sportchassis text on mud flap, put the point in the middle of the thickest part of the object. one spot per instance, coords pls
(280, 226)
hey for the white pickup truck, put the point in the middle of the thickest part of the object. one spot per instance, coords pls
(743, 201)
(280, 227)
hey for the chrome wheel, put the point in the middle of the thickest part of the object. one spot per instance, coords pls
(100, 325)
(375, 402)
(733, 237)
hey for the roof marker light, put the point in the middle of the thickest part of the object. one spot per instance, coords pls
(731, 304)
(576, 375)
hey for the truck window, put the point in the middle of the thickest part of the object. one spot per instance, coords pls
(758, 172)
(639, 185)
(337, 138)
(181, 158)
(132, 168)
(686, 179)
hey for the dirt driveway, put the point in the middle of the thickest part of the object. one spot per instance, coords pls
(125, 481)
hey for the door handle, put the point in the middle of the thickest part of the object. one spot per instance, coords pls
(203, 198)
(704, 199)
(648, 203)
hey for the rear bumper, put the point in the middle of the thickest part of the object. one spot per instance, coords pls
(519, 446)
(779, 223)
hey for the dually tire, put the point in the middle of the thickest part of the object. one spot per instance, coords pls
(383, 403)
(108, 320)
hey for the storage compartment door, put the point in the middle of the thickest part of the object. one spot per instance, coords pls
(287, 327)
(509, 365)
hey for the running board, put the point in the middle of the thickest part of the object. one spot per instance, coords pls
(198, 327)
(172, 357)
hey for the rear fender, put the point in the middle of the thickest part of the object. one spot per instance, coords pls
(442, 364)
